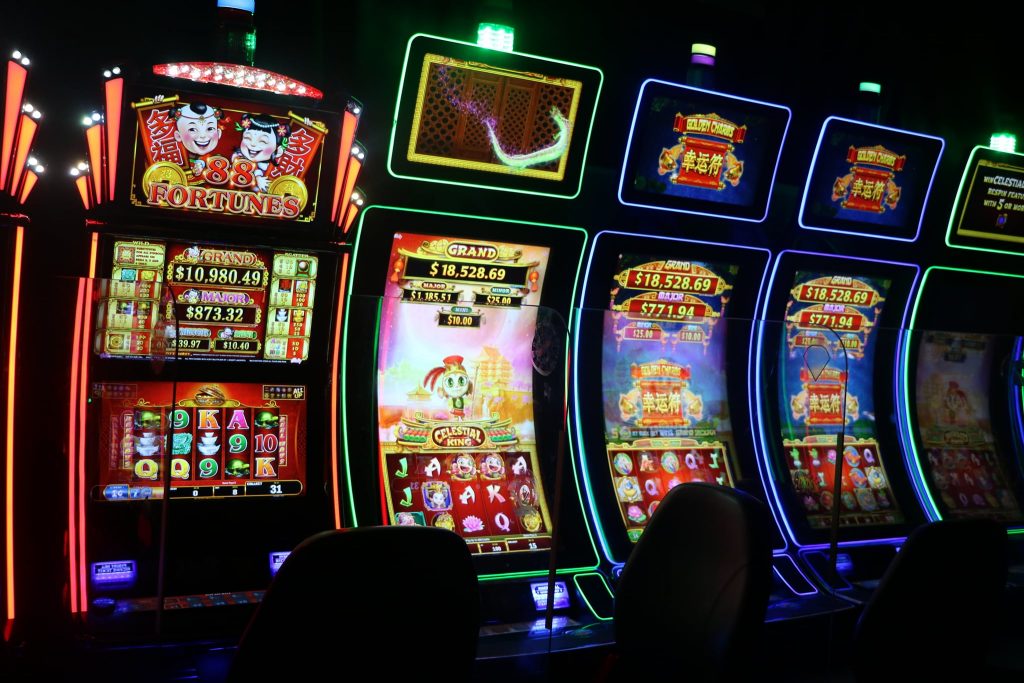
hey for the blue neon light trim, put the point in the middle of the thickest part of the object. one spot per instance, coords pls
(765, 453)
(787, 584)
(775, 170)
(576, 414)
(865, 233)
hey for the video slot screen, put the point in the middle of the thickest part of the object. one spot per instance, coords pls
(699, 151)
(826, 314)
(666, 409)
(964, 462)
(193, 300)
(869, 179)
(990, 205)
(221, 440)
(483, 117)
(456, 357)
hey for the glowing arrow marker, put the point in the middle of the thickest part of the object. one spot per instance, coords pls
(540, 156)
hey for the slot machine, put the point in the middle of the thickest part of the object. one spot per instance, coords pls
(831, 331)
(664, 340)
(961, 380)
(19, 173)
(456, 332)
(202, 432)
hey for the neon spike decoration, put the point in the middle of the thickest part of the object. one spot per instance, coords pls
(238, 76)
(869, 180)
(19, 170)
(763, 439)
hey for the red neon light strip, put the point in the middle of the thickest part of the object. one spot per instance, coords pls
(16, 77)
(82, 183)
(26, 188)
(352, 211)
(335, 355)
(114, 89)
(94, 136)
(84, 384)
(348, 136)
(12, 349)
(73, 447)
(238, 76)
(26, 133)
(351, 173)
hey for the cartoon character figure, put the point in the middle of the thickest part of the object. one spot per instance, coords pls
(264, 140)
(452, 382)
(197, 128)
(191, 296)
(955, 402)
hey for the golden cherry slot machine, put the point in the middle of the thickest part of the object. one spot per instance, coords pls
(202, 430)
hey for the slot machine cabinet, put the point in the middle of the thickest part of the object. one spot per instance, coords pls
(202, 434)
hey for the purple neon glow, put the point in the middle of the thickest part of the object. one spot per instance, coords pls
(765, 450)
(121, 572)
(629, 147)
(706, 60)
(276, 560)
(540, 595)
(866, 231)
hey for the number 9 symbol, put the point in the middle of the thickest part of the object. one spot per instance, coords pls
(208, 468)
(237, 443)
(180, 419)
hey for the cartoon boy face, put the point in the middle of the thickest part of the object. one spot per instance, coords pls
(197, 129)
(456, 384)
(258, 145)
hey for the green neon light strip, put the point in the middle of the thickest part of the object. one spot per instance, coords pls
(496, 37)
(576, 580)
(956, 205)
(915, 469)
(343, 384)
(868, 86)
(586, 144)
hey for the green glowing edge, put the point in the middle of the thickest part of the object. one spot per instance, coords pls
(576, 580)
(398, 101)
(914, 467)
(343, 381)
(957, 208)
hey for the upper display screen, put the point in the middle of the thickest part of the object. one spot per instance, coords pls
(704, 152)
(825, 314)
(666, 411)
(219, 157)
(458, 331)
(869, 180)
(193, 300)
(967, 468)
(989, 210)
(482, 117)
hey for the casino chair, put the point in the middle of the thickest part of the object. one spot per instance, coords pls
(400, 601)
(692, 597)
(935, 610)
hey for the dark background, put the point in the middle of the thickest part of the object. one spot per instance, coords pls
(953, 75)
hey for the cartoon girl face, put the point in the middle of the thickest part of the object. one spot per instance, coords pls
(258, 145)
(456, 384)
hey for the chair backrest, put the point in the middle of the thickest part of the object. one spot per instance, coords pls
(692, 597)
(399, 600)
(937, 605)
